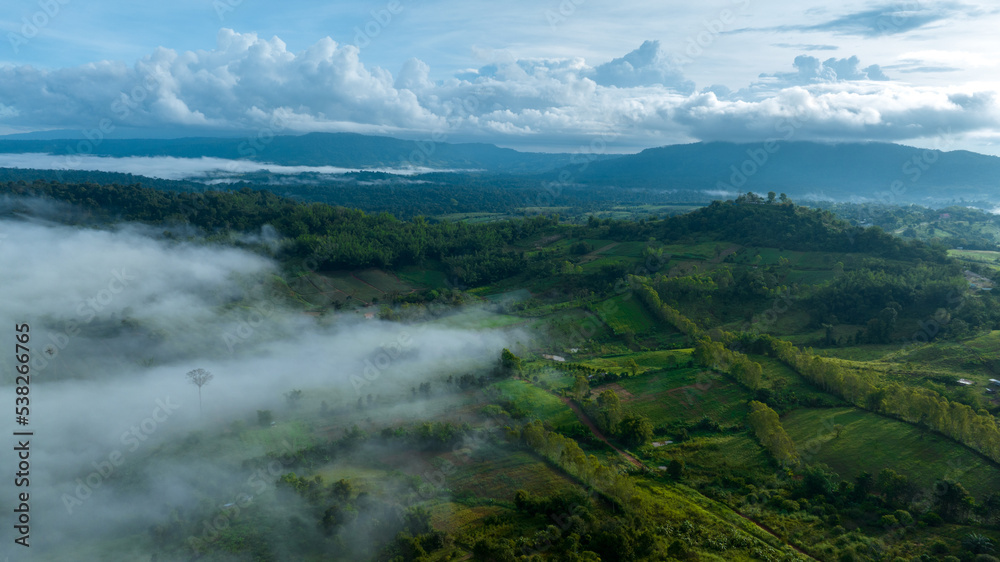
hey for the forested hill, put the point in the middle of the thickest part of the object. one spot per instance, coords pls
(753, 221)
(839, 171)
(346, 238)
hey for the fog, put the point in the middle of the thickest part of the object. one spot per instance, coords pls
(119, 315)
(212, 170)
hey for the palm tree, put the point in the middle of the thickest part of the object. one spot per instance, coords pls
(199, 378)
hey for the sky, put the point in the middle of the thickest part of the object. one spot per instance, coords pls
(550, 75)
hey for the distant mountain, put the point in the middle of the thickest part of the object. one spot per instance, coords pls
(889, 173)
(346, 150)
(885, 172)
(122, 133)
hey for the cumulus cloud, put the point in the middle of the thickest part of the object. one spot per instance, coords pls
(243, 83)
(841, 112)
(810, 70)
(640, 99)
(646, 66)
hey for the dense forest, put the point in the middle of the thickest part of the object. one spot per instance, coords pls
(664, 409)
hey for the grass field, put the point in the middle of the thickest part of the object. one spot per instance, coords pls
(778, 377)
(571, 325)
(623, 312)
(471, 217)
(385, 282)
(707, 457)
(539, 403)
(870, 442)
(977, 359)
(425, 277)
(647, 360)
(983, 256)
(679, 502)
(685, 395)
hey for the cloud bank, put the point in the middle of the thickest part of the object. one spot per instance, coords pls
(247, 83)
(172, 168)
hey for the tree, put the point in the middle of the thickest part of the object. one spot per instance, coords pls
(632, 366)
(636, 430)
(581, 388)
(977, 544)
(953, 501)
(611, 410)
(292, 398)
(764, 421)
(675, 469)
(264, 417)
(199, 377)
(509, 362)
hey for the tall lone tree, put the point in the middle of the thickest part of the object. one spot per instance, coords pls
(199, 378)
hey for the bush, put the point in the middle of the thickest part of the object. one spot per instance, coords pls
(932, 519)
(939, 547)
(903, 517)
(265, 417)
(888, 521)
(790, 505)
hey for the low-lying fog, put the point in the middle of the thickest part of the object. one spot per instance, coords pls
(119, 316)
(172, 168)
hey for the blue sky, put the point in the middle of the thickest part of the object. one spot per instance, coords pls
(548, 75)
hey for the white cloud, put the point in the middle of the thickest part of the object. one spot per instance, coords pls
(640, 99)
(645, 66)
(811, 70)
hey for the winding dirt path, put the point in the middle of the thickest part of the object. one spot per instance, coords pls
(367, 283)
(597, 432)
(597, 253)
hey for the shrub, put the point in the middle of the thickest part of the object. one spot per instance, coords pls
(932, 519)
(790, 505)
(939, 547)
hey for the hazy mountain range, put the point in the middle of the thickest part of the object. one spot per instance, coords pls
(885, 172)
